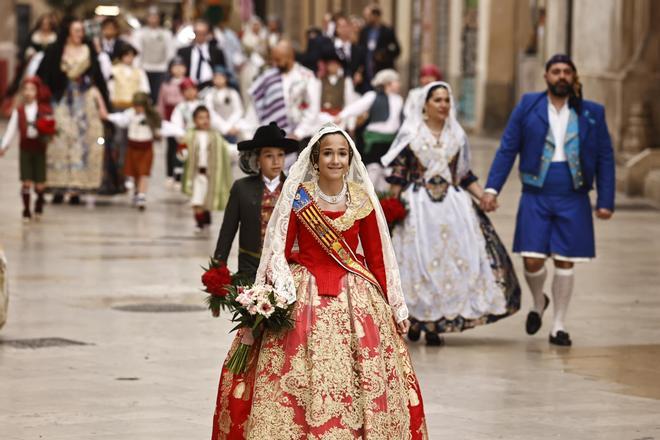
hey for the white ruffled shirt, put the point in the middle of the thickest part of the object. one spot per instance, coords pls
(271, 184)
(12, 126)
(558, 120)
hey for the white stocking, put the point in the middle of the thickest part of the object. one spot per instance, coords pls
(562, 289)
(535, 281)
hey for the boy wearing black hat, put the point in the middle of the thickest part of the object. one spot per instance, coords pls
(252, 198)
(564, 147)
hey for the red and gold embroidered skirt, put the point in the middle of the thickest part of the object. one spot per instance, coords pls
(342, 373)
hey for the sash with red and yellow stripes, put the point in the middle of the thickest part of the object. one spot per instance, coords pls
(328, 237)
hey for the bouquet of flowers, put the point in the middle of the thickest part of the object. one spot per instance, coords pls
(254, 309)
(394, 209)
(217, 280)
(45, 125)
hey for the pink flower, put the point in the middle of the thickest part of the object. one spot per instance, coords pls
(252, 309)
(266, 309)
(244, 298)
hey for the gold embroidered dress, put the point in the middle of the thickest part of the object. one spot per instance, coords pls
(343, 371)
(75, 155)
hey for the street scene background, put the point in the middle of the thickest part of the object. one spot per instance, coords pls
(107, 335)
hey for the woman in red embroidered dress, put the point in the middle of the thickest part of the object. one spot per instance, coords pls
(343, 371)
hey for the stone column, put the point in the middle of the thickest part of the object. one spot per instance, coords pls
(497, 61)
(555, 29)
(453, 71)
(402, 29)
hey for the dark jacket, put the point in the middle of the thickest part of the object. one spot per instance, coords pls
(52, 75)
(525, 135)
(387, 47)
(117, 49)
(244, 210)
(216, 55)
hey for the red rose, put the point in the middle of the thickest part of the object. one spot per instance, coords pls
(45, 125)
(393, 209)
(216, 280)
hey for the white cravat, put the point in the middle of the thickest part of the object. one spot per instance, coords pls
(271, 184)
(202, 139)
(108, 45)
(206, 71)
(344, 46)
(558, 120)
(31, 117)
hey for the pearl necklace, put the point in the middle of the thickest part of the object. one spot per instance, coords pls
(335, 199)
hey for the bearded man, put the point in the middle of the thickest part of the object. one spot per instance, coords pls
(288, 94)
(564, 147)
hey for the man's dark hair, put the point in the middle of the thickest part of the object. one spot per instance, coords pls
(109, 21)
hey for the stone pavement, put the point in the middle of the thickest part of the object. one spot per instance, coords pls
(144, 375)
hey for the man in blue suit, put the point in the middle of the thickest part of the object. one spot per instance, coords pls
(564, 147)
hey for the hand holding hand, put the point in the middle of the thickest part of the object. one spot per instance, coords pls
(403, 327)
(604, 214)
(488, 202)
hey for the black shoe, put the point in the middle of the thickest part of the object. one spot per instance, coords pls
(562, 339)
(534, 321)
(200, 220)
(58, 198)
(434, 340)
(415, 330)
(39, 207)
(74, 200)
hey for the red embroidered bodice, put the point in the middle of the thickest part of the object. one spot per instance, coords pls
(327, 272)
(268, 201)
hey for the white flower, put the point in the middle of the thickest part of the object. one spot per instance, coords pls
(252, 309)
(280, 302)
(265, 309)
(244, 298)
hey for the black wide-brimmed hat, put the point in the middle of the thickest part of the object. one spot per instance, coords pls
(269, 136)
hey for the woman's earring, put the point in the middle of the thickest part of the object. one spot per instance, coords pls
(315, 172)
(424, 116)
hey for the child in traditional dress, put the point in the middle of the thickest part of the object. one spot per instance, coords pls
(182, 115)
(126, 79)
(226, 103)
(252, 199)
(168, 98)
(143, 124)
(125, 82)
(337, 90)
(33, 121)
(207, 174)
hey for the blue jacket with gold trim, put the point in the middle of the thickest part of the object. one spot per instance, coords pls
(525, 135)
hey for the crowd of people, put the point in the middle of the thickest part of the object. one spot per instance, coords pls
(320, 134)
(98, 77)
